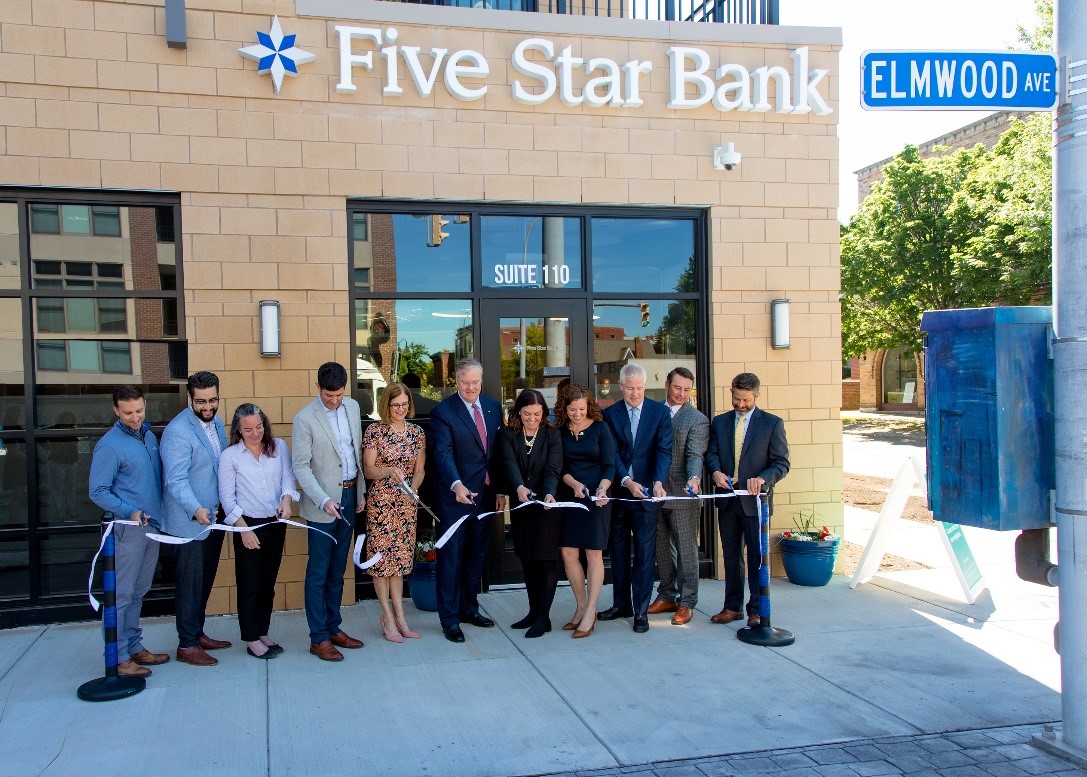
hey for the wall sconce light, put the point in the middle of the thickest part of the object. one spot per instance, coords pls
(269, 327)
(779, 323)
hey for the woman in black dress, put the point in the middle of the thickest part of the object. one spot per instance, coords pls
(531, 455)
(588, 468)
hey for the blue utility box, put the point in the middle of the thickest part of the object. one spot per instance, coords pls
(989, 416)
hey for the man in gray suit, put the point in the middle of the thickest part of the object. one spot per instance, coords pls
(677, 524)
(191, 444)
(326, 437)
(747, 451)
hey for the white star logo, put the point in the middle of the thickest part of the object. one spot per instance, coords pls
(276, 53)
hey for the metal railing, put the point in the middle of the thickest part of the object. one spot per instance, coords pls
(719, 11)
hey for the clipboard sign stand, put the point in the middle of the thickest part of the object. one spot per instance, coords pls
(967, 572)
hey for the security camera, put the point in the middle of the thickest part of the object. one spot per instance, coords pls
(726, 157)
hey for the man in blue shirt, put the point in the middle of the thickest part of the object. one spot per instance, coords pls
(126, 482)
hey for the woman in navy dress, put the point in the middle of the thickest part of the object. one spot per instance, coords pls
(588, 468)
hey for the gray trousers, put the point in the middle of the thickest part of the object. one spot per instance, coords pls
(136, 559)
(677, 555)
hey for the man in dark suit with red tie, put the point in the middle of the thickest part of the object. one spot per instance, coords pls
(462, 435)
(643, 435)
(747, 451)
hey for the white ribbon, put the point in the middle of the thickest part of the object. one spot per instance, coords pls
(456, 524)
(167, 539)
(357, 556)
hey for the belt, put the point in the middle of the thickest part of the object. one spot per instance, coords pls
(351, 482)
(262, 520)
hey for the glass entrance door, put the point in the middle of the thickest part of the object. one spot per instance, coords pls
(537, 344)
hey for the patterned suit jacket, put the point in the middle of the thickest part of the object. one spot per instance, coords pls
(690, 436)
(765, 452)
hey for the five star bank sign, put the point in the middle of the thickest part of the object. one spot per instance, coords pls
(955, 80)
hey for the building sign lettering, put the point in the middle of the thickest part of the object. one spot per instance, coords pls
(549, 73)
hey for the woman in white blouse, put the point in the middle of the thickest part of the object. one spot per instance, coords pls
(256, 486)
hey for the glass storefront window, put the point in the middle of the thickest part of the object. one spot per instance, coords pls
(9, 246)
(15, 568)
(13, 494)
(63, 562)
(899, 378)
(405, 340)
(666, 342)
(64, 467)
(411, 252)
(649, 256)
(522, 252)
(11, 361)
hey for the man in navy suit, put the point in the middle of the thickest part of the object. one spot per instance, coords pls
(462, 434)
(643, 434)
(747, 445)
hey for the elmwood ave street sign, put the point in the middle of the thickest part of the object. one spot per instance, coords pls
(958, 80)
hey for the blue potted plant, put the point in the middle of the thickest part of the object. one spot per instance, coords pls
(808, 553)
(422, 582)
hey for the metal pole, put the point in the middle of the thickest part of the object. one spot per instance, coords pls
(1070, 366)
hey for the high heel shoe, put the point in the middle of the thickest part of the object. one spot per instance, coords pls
(572, 625)
(390, 632)
(579, 634)
(407, 632)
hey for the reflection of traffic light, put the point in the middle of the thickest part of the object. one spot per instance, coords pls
(436, 235)
(644, 307)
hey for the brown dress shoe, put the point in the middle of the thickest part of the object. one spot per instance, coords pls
(146, 658)
(207, 643)
(682, 617)
(726, 616)
(130, 668)
(326, 651)
(754, 619)
(662, 605)
(196, 656)
(339, 639)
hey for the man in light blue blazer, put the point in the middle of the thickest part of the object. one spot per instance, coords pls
(326, 437)
(190, 448)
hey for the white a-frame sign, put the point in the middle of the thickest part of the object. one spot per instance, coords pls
(912, 472)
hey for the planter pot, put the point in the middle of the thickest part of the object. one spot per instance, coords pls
(808, 562)
(423, 586)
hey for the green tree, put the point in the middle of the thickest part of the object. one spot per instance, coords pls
(414, 357)
(676, 333)
(901, 252)
(1041, 37)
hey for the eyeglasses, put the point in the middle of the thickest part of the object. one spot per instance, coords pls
(400, 405)
(205, 402)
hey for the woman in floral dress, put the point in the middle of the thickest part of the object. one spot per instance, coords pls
(393, 451)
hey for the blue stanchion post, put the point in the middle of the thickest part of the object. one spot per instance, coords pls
(764, 634)
(112, 685)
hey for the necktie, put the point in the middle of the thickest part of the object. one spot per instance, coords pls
(482, 430)
(738, 442)
(634, 413)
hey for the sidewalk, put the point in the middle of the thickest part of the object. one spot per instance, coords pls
(887, 660)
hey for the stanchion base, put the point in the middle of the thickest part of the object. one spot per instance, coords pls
(765, 636)
(111, 688)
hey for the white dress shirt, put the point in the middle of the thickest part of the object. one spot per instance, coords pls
(341, 427)
(254, 486)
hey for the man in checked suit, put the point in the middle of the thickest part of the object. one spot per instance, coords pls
(748, 451)
(677, 526)
(190, 448)
(461, 435)
(642, 429)
(326, 436)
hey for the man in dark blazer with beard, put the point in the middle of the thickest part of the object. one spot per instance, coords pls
(747, 451)
(461, 437)
(642, 429)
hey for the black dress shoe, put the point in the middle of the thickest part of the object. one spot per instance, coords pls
(612, 613)
(641, 624)
(539, 628)
(275, 648)
(478, 619)
(267, 654)
(454, 634)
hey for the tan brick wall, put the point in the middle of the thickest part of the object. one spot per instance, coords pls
(99, 100)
